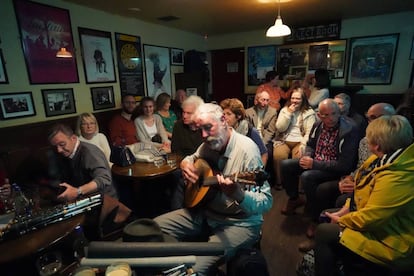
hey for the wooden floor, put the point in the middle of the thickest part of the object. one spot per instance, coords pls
(281, 236)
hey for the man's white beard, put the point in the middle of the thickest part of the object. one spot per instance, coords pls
(216, 143)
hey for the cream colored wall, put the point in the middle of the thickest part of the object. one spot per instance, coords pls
(88, 18)
(402, 23)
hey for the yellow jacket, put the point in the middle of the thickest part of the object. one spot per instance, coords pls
(382, 228)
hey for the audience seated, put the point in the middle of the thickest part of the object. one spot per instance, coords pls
(334, 193)
(331, 152)
(87, 129)
(176, 103)
(149, 127)
(344, 102)
(186, 139)
(320, 88)
(168, 117)
(121, 128)
(372, 234)
(263, 118)
(235, 116)
(271, 86)
(293, 126)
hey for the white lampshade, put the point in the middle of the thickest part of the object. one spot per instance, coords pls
(279, 29)
(63, 53)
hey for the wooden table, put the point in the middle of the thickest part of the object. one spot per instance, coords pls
(147, 170)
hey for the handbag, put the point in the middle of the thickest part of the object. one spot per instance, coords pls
(122, 156)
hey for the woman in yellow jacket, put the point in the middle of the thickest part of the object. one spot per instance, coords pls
(375, 230)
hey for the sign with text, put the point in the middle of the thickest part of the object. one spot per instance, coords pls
(315, 33)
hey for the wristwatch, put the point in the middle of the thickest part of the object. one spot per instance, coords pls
(79, 192)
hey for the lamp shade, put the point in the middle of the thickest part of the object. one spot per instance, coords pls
(63, 53)
(279, 29)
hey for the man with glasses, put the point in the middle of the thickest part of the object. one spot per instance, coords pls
(331, 152)
(232, 214)
(121, 128)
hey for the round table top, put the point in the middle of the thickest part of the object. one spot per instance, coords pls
(145, 170)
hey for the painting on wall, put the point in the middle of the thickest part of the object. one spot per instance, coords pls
(371, 59)
(58, 101)
(261, 59)
(98, 61)
(102, 97)
(16, 105)
(43, 31)
(130, 69)
(157, 70)
(177, 56)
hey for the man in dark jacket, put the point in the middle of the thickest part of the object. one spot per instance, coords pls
(331, 152)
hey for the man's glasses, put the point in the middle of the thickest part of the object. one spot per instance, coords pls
(324, 116)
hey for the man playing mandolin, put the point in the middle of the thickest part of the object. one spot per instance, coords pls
(230, 212)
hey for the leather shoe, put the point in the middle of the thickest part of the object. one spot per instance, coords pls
(291, 206)
(310, 231)
(306, 246)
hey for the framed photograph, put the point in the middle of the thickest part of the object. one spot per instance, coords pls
(157, 70)
(16, 105)
(177, 56)
(412, 49)
(371, 59)
(102, 97)
(58, 101)
(130, 68)
(318, 56)
(43, 31)
(261, 59)
(98, 61)
(3, 73)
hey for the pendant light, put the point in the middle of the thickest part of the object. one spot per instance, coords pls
(279, 29)
(63, 53)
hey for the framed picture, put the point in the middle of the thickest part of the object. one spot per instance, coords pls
(318, 56)
(157, 70)
(177, 56)
(3, 73)
(130, 68)
(371, 59)
(412, 49)
(98, 61)
(16, 105)
(58, 101)
(43, 31)
(261, 59)
(102, 97)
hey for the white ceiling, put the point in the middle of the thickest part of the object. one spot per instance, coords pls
(214, 17)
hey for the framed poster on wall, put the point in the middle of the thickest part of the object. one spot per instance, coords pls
(371, 59)
(129, 55)
(157, 70)
(58, 101)
(43, 31)
(98, 62)
(261, 59)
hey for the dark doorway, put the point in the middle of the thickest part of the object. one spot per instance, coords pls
(227, 70)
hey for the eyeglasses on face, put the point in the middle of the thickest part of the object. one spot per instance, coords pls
(324, 116)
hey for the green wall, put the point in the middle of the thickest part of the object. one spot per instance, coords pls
(401, 23)
(157, 35)
(88, 18)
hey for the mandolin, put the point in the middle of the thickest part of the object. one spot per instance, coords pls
(196, 193)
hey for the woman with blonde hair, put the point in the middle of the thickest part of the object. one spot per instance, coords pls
(87, 129)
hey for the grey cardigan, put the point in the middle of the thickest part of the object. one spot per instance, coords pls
(142, 133)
